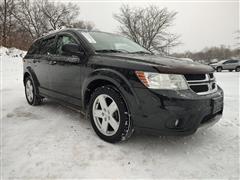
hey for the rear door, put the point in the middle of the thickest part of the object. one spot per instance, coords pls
(65, 81)
(235, 64)
(41, 63)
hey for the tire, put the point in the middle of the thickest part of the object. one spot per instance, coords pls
(237, 69)
(31, 94)
(219, 69)
(109, 115)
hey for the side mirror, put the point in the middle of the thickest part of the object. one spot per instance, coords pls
(72, 49)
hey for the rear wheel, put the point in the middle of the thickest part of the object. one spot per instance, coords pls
(219, 69)
(109, 115)
(237, 69)
(31, 92)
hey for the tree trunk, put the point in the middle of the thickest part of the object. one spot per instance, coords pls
(4, 37)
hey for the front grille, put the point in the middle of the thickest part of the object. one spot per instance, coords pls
(201, 83)
(200, 88)
(192, 77)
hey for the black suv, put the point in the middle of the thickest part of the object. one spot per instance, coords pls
(121, 86)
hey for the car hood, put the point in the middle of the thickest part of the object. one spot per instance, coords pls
(164, 64)
(214, 64)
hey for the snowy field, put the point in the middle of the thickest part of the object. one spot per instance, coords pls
(53, 141)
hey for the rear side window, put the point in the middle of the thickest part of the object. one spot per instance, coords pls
(48, 46)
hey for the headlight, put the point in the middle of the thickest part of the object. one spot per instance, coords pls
(162, 81)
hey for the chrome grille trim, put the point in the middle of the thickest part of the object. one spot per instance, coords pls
(208, 81)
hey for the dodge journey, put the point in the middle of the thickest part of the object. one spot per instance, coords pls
(120, 85)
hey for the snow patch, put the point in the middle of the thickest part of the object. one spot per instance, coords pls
(52, 141)
(12, 52)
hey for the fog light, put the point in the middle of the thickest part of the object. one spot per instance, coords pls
(176, 123)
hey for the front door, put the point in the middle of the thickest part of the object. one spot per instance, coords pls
(65, 81)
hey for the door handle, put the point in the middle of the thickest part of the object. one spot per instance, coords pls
(53, 62)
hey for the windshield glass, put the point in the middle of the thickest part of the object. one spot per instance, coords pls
(106, 42)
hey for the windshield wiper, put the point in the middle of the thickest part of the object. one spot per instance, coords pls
(140, 52)
(121, 51)
(110, 51)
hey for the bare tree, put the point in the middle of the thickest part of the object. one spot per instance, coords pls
(148, 27)
(83, 25)
(237, 38)
(39, 17)
(59, 14)
(31, 17)
(21, 21)
(207, 54)
(6, 20)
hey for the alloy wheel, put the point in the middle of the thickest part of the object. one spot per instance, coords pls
(29, 90)
(106, 115)
(219, 69)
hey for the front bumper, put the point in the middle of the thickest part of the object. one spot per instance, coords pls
(169, 112)
(211, 121)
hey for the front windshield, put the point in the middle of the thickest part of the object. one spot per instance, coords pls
(106, 42)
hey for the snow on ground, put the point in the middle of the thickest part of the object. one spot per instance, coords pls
(52, 141)
(11, 52)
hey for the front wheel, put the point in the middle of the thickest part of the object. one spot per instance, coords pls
(31, 92)
(237, 69)
(109, 115)
(219, 69)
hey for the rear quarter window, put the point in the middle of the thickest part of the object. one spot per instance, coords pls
(235, 61)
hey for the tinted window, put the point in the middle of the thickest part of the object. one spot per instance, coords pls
(48, 46)
(64, 39)
(230, 61)
(34, 49)
(227, 62)
(234, 61)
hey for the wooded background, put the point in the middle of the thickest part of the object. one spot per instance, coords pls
(22, 21)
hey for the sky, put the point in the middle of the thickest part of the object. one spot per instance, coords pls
(200, 23)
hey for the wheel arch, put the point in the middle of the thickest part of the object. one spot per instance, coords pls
(26, 74)
(30, 73)
(103, 77)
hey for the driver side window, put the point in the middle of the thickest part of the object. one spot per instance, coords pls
(62, 40)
